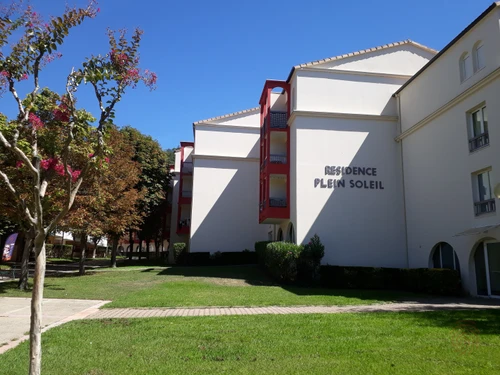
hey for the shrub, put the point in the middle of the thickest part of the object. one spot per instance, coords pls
(310, 260)
(237, 258)
(260, 250)
(197, 259)
(281, 260)
(419, 280)
(59, 251)
(180, 250)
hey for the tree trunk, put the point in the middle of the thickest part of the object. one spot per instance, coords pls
(114, 251)
(131, 242)
(28, 245)
(148, 241)
(36, 307)
(83, 252)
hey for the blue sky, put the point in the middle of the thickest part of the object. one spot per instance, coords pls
(213, 57)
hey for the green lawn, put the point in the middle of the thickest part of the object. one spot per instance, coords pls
(377, 343)
(196, 286)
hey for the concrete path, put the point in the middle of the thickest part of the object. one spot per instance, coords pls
(15, 316)
(216, 311)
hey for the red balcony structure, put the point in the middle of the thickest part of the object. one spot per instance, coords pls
(274, 193)
(185, 195)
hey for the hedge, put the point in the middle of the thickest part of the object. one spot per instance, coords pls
(418, 280)
(260, 249)
(281, 260)
(58, 251)
(231, 258)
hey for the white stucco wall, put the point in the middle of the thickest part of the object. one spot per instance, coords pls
(226, 206)
(227, 141)
(404, 59)
(359, 227)
(346, 93)
(439, 192)
(441, 83)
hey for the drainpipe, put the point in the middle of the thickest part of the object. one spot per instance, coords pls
(398, 99)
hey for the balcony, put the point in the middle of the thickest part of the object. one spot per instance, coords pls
(273, 211)
(186, 197)
(278, 159)
(484, 207)
(479, 141)
(279, 120)
(187, 167)
(184, 226)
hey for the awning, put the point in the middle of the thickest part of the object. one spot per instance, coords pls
(480, 230)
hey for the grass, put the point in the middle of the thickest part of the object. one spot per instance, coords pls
(196, 286)
(377, 343)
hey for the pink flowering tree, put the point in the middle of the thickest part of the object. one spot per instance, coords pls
(49, 147)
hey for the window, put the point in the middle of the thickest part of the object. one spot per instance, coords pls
(478, 53)
(484, 201)
(445, 257)
(465, 66)
(478, 129)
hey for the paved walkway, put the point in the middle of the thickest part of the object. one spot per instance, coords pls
(15, 316)
(216, 311)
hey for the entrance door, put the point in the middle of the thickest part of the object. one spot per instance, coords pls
(487, 261)
(493, 254)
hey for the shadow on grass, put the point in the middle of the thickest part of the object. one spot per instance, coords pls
(251, 274)
(469, 324)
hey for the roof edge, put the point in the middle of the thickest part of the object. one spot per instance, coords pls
(361, 52)
(493, 6)
(227, 116)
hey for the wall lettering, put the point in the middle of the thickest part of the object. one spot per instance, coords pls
(331, 183)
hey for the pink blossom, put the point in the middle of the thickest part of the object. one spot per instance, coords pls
(91, 155)
(61, 113)
(4, 73)
(75, 175)
(59, 169)
(150, 79)
(24, 77)
(19, 163)
(106, 160)
(35, 121)
(49, 163)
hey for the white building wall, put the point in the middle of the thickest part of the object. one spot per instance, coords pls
(227, 141)
(441, 83)
(438, 184)
(225, 213)
(174, 237)
(358, 226)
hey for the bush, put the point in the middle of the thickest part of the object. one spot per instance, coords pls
(260, 250)
(59, 251)
(180, 251)
(281, 260)
(234, 258)
(197, 259)
(310, 260)
(419, 280)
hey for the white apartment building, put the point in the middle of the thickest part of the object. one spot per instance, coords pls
(389, 154)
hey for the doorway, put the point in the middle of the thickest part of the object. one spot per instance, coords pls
(487, 264)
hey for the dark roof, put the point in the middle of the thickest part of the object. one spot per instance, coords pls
(449, 45)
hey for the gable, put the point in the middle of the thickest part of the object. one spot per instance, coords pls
(399, 58)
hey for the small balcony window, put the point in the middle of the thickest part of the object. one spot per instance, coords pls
(478, 129)
(484, 201)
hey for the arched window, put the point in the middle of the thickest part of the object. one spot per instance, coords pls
(291, 233)
(465, 66)
(443, 256)
(478, 56)
(280, 235)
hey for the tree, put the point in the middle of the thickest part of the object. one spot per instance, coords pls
(154, 180)
(106, 204)
(49, 156)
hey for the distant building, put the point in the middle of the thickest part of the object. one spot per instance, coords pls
(388, 154)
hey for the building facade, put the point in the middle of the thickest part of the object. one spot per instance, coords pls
(388, 154)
